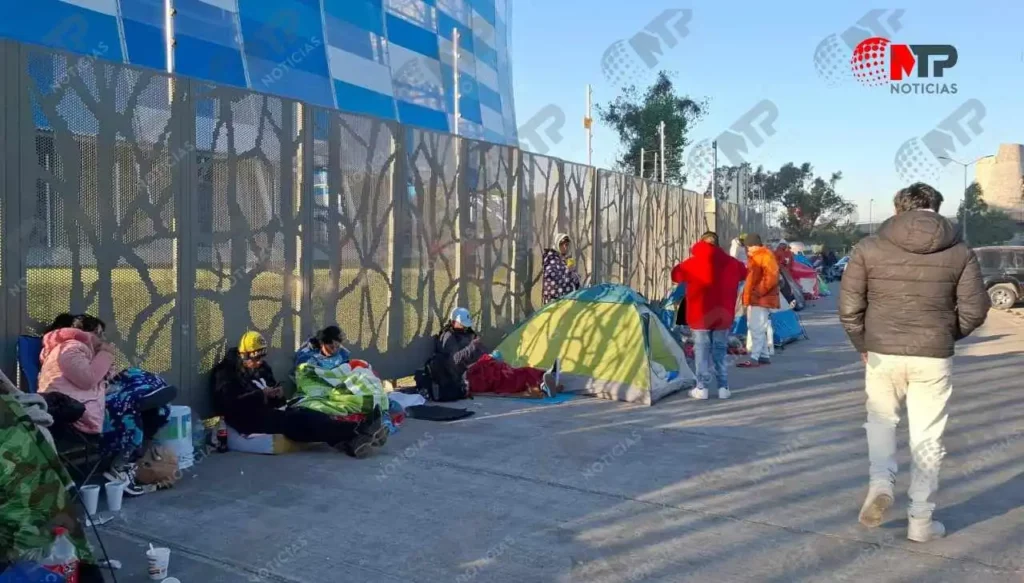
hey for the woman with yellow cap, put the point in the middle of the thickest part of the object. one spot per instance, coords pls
(246, 393)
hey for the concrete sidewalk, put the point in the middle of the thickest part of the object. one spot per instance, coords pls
(764, 487)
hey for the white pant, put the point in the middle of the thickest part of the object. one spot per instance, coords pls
(759, 333)
(925, 384)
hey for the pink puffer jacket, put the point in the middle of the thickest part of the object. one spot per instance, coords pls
(73, 364)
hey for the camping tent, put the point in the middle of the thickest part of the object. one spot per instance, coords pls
(35, 490)
(806, 277)
(610, 344)
(783, 326)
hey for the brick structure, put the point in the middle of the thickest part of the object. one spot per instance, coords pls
(1002, 180)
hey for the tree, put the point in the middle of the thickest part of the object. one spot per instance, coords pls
(636, 118)
(985, 225)
(811, 203)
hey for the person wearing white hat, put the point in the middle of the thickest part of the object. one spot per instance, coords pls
(462, 358)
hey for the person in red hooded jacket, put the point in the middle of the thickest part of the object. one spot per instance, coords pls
(712, 279)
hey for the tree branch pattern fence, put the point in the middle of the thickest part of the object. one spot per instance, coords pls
(184, 213)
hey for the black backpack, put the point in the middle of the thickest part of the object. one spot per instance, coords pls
(438, 381)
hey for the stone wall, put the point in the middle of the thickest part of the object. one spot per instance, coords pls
(1001, 180)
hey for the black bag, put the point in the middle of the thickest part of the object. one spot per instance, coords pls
(64, 409)
(444, 385)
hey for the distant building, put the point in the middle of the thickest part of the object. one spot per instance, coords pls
(1002, 180)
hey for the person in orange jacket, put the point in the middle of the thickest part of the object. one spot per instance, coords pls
(760, 296)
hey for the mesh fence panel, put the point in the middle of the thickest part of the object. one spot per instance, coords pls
(488, 241)
(580, 203)
(98, 235)
(612, 216)
(434, 254)
(541, 195)
(247, 224)
(353, 226)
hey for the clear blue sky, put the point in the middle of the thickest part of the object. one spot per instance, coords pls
(739, 52)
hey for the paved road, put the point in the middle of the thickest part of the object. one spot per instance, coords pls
(764, 487)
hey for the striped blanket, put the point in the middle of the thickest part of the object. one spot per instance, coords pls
(341, 390)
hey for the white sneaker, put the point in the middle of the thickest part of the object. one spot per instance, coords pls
(699, 393)
(877, 503)
(724, 393)
(922, 530)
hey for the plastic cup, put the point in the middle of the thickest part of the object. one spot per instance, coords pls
(91, 499)
(159, 558)
(115, 494)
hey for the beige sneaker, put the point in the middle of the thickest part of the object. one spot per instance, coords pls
(877, 503)
(922, 530)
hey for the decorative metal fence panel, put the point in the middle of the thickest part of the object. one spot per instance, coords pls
(184, 213)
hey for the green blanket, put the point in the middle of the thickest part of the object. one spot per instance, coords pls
(338, 391)
(36, 492)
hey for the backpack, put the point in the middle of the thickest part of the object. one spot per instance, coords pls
(438, 381)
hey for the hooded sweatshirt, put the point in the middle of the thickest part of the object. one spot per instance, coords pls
(558, 278)
(913, 289)
(712, 281)
(74, 364)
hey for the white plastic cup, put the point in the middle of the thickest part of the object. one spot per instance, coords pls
(159, 558)
(91, 498)
(115, 494)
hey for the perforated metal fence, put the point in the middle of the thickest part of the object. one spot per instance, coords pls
(184, 213)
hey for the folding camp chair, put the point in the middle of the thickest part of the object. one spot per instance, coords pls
(79, 452)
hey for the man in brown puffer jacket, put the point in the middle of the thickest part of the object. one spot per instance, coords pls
(908, 294)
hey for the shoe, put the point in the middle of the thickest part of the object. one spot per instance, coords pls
(375, 428)
(699, 393)
(749, 364)
(126, 474)
(724, 393)
(764, 361)
(877, 503)
(547, 384)
(922, 530)
(370, 434)
(359, 447)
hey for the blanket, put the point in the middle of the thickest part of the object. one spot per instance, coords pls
(342, 390)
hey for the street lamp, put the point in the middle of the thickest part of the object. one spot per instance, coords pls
(871, 221)
(966, 165)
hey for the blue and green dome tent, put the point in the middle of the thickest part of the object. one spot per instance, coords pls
(610, 344)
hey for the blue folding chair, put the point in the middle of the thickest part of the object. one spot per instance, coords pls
(79, 452)
(29, 348)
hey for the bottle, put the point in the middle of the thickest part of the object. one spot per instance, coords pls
(63, 559)
(222, 438)
(198, 438)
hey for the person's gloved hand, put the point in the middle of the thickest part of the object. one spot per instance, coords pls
(570, 263)
(496, 355)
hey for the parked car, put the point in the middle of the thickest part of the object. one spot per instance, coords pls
(1003, 271)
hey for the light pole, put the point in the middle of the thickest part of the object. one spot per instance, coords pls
(966, 165)
(871, 221)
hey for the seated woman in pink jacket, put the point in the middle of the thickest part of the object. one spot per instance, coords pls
(78, 362)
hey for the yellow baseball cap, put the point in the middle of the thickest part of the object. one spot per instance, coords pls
(251, 342)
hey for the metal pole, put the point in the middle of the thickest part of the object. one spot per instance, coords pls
(588, 123)
(641, 162)
(654, 172)
(169, 34)
(967, 209)
(871, 222)
(455, 74)
(661, 134)
(714, 170)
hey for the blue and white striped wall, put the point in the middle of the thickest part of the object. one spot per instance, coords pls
(392, 59)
